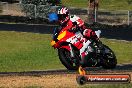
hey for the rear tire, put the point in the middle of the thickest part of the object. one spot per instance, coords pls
(109, 59)
(66, 59)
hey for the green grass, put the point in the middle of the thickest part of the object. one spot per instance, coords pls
(21, 51)
(26, 51)
(103, 4)
(115, 4)
(123, 50)
(75, 3)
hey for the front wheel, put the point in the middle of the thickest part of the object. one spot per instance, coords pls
(66, 59)
(109, 58)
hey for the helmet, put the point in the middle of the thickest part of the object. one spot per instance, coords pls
(63, 15)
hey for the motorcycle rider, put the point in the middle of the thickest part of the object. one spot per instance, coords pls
(73, 23)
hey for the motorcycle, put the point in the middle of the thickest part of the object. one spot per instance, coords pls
(70, 45)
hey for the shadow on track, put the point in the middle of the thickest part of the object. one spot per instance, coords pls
(119, 68)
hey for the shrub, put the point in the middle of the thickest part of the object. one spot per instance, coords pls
(35, 8)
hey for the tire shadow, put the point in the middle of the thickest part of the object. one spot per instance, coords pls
(119, 68)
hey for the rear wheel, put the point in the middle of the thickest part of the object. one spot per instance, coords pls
(109, 58)
(66, 59)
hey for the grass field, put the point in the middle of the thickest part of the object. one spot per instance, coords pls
(104, 4)
(75, 3)
(122, 49)
(21, 51)
(26, 51)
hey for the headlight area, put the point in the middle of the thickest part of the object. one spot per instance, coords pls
(52, 43)
(55, 44)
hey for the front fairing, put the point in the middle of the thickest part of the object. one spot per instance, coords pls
(60, 36)
(54, 38)
(63, 37)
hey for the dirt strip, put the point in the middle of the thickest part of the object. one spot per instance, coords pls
(44, 81)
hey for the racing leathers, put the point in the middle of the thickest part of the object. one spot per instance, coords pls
(74, 23)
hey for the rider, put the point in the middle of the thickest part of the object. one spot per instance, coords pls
(72, 23)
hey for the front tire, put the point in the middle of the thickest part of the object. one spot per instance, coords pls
(67, 60)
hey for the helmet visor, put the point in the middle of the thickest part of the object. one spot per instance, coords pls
(62, 16)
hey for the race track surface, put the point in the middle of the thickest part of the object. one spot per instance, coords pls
(118, 69)
(120, 34)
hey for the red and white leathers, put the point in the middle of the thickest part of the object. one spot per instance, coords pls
(88, 33)
(74, 21)
(68, 22)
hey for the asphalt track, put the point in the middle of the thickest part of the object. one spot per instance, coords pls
(48, 29)
(111, 33)
(119, 69)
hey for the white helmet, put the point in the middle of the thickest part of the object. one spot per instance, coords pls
(63, 14)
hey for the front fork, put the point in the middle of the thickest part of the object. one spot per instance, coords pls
(71, 51)
(72, 54)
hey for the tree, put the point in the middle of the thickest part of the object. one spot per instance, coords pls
(35, 8)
